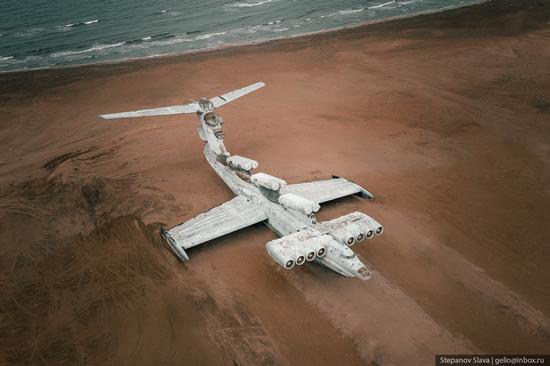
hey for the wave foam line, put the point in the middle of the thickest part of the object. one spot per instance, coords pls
(91, 49)
(209, 35)
(381, 5)
(248, 5)
(87, 22)
(351, 11)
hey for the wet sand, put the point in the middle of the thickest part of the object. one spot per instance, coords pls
(444, 117)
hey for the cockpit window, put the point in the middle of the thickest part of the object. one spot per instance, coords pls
(348, 254)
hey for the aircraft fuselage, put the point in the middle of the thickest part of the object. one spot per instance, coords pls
(283, 221)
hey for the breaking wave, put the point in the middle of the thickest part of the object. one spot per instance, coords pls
(87, 22)
(248, 5)
(210, 35)
(351, 11)
(382, 5)
(96, 47)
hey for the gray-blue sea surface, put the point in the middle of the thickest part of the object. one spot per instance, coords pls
(42, 33)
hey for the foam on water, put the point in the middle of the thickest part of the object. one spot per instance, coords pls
(248, 5)
(351, 11)
(38, 33)
(97, 47)
(384, 4)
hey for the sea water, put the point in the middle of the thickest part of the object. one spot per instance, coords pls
(45, 33)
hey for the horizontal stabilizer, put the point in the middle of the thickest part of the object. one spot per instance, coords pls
(162, 111)
(232, 95)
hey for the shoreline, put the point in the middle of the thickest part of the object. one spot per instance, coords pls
(239, 45)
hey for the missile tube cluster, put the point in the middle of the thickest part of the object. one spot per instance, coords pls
(295, 249)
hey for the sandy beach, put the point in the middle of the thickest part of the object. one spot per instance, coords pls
(445, 117)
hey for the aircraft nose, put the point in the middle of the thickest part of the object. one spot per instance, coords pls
(364, 274)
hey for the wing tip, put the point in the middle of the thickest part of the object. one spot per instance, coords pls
(363, 193)
(176, 249)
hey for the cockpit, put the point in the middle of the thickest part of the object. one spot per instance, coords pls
(205, 105)
(347, 253)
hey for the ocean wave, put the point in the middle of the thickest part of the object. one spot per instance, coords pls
(87, 22)
(238, 23)
(381, 5)
(96, 47)
(268, 27)
(29, 32)
(209, 35)
(11, 60)
(248, 5)
(171, 41)
(280, 30)
(350, 11)
(162, 39)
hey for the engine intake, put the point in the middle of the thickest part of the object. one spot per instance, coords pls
(344, 236)
(371, 226)
(297, 249)
(284, 258)
(318, 244)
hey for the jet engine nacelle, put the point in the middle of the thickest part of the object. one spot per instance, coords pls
(370, 225)
(319, 245)
(285, 258)
(306, 250)
(297, 248)
(313, 247)
(350, 234)
(286, 253)
(344, 236)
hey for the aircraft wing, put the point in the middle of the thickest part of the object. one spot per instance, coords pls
(161, 111)
(218, 221)
(232, 95)
(327, 190)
